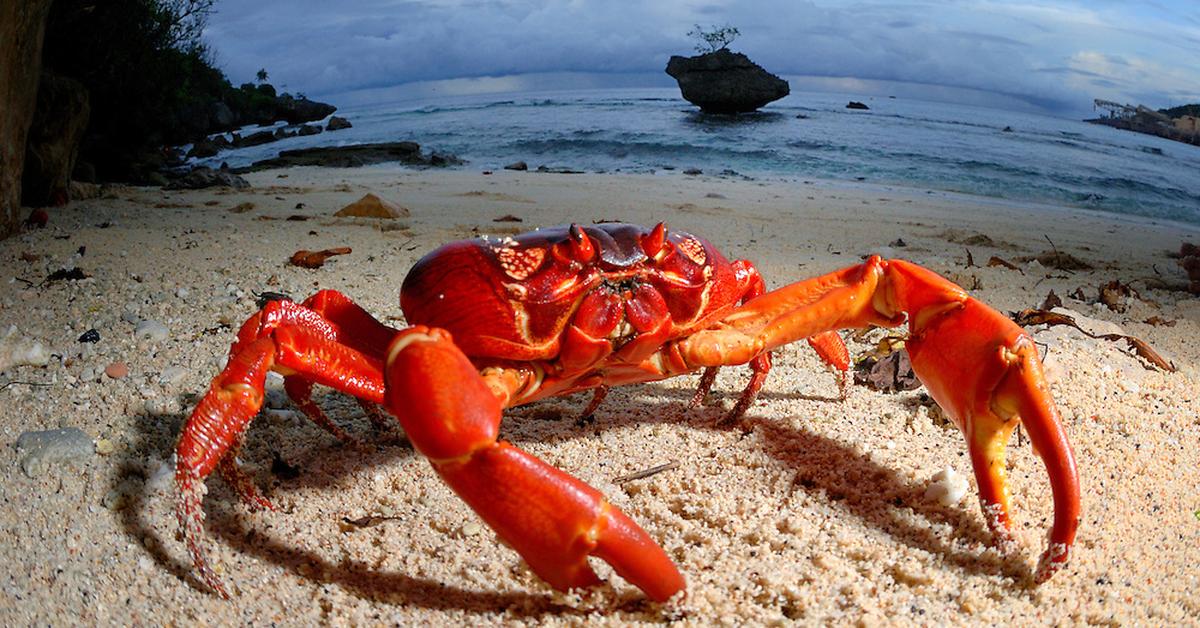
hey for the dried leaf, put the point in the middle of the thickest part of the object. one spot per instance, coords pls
(364, 522)
(1052, 301)
(1042, 317)
(1113, 293)
(655, 470)
(315, 259)
(508, 218)
(241, 208)
(996, 261)
(1031, 316)
(29, 257)
(1159, 321)
(1143, 350)
(892, 373)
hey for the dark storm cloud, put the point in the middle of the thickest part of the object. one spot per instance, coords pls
(1050, 52)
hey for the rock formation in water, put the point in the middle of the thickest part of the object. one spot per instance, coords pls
(725, 82)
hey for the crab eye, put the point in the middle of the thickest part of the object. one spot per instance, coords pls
(652, 243)
(582, 248)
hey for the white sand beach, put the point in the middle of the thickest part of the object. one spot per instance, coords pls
(814, 513)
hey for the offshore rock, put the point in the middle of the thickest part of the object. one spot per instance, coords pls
(408, 153)
(725, 82)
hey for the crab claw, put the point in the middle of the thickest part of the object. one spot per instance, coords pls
(984, 371)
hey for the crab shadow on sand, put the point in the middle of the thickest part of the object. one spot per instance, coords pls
(878, 502)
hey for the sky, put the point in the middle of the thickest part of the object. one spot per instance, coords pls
(1053, 56)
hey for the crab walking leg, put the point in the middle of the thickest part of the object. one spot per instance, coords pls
(982, 369)
(553, 520)
(218, 422)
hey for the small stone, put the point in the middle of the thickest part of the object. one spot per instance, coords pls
(471, 529)
(104, 447)
(52, 447)
(172, 375)
(153, 331)
(182, 293)
(947, 487)
(116, 370)
(17, 350)
(371, 206)
(90, 335)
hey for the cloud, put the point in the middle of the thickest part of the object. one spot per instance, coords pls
(1023, 50)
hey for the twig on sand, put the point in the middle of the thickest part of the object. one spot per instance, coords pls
(646, 473)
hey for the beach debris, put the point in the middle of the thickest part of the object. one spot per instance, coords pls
(315, 259)
(517, 165)
(947, 487)
(367, 521)
(29, 257)
(1052, 301)
(997, 261)
(1113, 295)
(17, 350)
(1143, 350)
(508, 218)
(151, 330)
(889, 373)
(645, 473)
(371, 206)
(261, 299)
(64, 274)
(1159, 321)
(898, 243)
(89, 336)
(241, 208)
(1189, 260)
(40, 450)
(116, 370)
(37, 219)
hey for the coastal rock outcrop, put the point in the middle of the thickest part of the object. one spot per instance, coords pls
(59, 121)
(337, 123)
(725, 82)
(353, 156)
(205, 177)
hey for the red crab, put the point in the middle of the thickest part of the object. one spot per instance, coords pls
(499, 322)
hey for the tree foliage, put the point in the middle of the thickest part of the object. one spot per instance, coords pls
(713, 38)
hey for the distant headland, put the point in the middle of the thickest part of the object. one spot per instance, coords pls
(1181, 124)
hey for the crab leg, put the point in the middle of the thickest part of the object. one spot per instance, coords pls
(217, 424)
(553, 520)
(980, 367)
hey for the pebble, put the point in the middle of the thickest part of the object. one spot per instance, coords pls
(182, 293)
(90, 335)
(18, 350)
(947, 487)
(116, 370)
(53, 447)
(471, 529)
(172, 375)
(104, 447)
(151, 330)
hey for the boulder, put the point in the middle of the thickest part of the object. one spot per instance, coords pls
(257, 138)
(725, 82)
(204, 148)
(59, 121)
(283, 133)
(517, 165)
(337, 123)
(309, 129)
(205, 177)
(371, 206)
(300, 110)
(854, 104)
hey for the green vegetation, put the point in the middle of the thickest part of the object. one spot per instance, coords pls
(1178, 112)
(152, 82)
(713, 38)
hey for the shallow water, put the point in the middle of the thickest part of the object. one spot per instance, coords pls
(806, 135)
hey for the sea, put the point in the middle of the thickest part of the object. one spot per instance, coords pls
(1012, 155)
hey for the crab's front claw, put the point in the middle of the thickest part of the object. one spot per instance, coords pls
(553, 520)
(984, 371)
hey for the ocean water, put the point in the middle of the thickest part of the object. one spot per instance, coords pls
(904, 142)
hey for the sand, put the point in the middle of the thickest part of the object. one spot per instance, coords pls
(814, 512)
